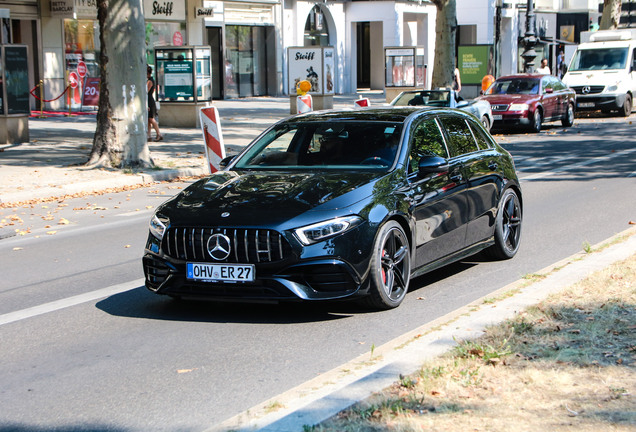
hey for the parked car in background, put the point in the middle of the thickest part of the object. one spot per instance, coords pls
(446, 98)
(528, 100)
(339, 204)
(603, 71)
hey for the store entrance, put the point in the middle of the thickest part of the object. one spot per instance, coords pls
(363, 49)
(215, 40)
(247, 50)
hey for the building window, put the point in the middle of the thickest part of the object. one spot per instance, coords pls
(316, 30)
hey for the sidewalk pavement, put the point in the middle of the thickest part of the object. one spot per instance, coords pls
(50, 165)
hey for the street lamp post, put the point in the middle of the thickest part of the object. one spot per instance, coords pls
(530, 40)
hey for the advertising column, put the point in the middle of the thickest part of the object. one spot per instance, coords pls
(314, 64)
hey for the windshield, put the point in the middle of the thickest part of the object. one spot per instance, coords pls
(331, 145)
(599, 59)
(514, 86)
(439, 98)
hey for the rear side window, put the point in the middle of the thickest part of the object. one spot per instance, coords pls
(460, 138)
(479, 136)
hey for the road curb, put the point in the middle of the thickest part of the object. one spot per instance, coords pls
(97, 186)
(324, 396)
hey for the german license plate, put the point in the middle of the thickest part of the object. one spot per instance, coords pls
(220, 272)
(497, 117)
(585, 104)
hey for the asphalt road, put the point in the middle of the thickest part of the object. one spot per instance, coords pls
(134, 361)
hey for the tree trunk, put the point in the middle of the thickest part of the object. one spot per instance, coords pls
(445, 31)
(611, 15)
(120, 136)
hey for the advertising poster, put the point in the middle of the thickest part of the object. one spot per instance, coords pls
(91, 92)
(178, 79)
(305, 64)
(329, 71)
(474, 63)
(17, 79)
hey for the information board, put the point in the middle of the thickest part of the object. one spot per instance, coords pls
(177, 79)
(305, 64)
(17, 79)
(474, 63)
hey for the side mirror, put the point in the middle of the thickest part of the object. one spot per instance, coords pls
(226, 161)
(431, 165)
(549, 90)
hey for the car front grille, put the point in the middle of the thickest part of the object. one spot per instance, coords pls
(592, 89)
(500, 107)
(246, 245)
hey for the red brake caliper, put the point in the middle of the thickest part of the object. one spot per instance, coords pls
(383, 272)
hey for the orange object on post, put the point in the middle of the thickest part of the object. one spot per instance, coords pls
(487, 82)
(303, 87)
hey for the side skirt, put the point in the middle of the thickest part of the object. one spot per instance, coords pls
(457, 256)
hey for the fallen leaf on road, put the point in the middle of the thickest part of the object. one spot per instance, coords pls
(47, 226)
(186, 370)
(17, 248)
(149, 207)
(63, 222)
(632, 223)
(51, 232)
(421, 298)
(127, 246)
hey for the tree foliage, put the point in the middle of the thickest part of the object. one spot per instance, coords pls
(445, 33)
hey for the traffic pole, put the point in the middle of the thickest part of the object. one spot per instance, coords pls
(41, 99)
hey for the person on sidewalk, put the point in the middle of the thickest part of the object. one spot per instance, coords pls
(152, 108)
(544, 69)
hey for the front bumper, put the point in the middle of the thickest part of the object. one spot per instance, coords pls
(510, 119)
(598, 102)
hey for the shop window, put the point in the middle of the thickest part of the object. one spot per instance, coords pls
(161, 34)
(81, 43)
(316, 29)
(246, 60)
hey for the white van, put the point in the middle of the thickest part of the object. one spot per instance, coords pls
(603, 71)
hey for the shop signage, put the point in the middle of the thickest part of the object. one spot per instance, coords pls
(203, 12)
(17, 79)
(80, 9)
(217, 15)
(328, 64)
(305, 64)
(91, 92)
(177, 39)
(399, 52)
(73, 80)
(475, 62)
(164, 10)
(81, 69)
(178, 79)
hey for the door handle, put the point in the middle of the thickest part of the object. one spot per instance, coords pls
(456, 177)
(492, 165)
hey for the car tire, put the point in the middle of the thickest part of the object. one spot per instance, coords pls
(626, 111)
(390, 268)
(568, 119)
(485, 122)
(537, 119)
(507, 227)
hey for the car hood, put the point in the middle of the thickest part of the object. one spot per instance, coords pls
(593, 78)
(262, 198)
(510, 99)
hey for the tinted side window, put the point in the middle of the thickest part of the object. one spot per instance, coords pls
(427, 141)
(479, 137)
(461, 139)
(558, 84)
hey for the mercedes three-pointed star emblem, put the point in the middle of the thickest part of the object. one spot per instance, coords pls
(219, 246)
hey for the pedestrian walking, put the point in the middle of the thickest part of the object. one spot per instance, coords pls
(152, 108)
(544, 69)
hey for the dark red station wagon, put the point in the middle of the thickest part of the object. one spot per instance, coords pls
(528, 100)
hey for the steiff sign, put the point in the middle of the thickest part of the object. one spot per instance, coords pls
(164, 10)
(203, 12)
(314, 64)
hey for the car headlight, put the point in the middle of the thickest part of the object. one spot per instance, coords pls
(518, 107)
(158, 226)
(321, 231)
(613, 87)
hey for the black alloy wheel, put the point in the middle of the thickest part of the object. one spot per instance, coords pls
(537, 119)
(568, 120)
(507, 227)
(627, 107)
(390, 268)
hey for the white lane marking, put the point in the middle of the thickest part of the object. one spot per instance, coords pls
(68, 302)
(577, 165)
